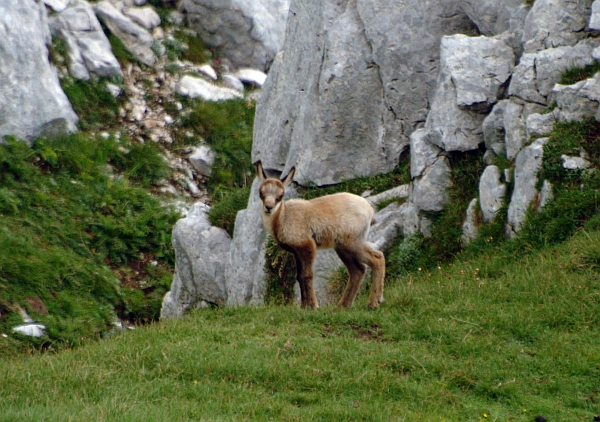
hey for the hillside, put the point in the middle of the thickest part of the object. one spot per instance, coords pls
(495, 337)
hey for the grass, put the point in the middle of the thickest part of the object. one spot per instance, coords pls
(573, 76)
(94, 104)
(489, 338)
(70, 230)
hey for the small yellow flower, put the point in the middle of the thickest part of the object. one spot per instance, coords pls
(485, 415)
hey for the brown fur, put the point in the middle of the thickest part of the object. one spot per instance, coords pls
(340, 221)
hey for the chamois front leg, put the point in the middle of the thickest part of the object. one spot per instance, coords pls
(305, 257)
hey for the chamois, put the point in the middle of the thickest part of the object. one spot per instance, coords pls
(340, 221)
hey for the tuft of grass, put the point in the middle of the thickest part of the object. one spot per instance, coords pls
(93, 103)
(195, 51)
(70, 230)
(572, 76)
(280, 274)
(122, 54)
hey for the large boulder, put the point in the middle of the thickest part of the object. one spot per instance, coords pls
(247, 32)
(88, 49)
(32, 103)
(354, 80)
(201, 252)
(473, 74)
(494, 17)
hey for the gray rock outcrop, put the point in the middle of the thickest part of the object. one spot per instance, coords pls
(135, 38)
(527, 166)
(201, 252)
(32, 101)
(88, 49)
(473, 73)
(354, 81)
(247, 32)
(492, 193)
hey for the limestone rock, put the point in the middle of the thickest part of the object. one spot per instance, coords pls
(595, 18)
(493, 129)
(339, 60)
(199, 88)
(494, 17)
(537, 73)
(208, 71)
(527, 165)
(578, 101)
(32, 101)
(200, 258)
(232, 82)
(515, 128)
(539, 124)
(247, 32)
(387, 227)
(472, 73)
(251, 76)
(430, 191)
(491, 193)
(135, 38)
(57, 5)
(422, 153)
(401, 191)
(574, 163)
(470, 230)
(144, 16)
(88, 49)
(556, 23)
(202, 159)
(546, 195)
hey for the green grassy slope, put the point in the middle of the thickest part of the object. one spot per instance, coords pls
(490, 338)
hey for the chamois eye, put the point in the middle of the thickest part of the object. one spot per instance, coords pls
(278, 198)
(261, 195)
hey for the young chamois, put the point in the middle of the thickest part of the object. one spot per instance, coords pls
(340, 221)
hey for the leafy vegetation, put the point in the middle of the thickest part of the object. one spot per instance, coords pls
(489, 338)
(70, 226)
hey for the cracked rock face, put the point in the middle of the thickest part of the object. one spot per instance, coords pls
(473, 72)
(32, 103)
(556, 23)
(247, 32)
(354, 80)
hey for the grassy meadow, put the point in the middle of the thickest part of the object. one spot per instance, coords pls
(493, 338)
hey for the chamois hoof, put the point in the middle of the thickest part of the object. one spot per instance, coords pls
(373, 307)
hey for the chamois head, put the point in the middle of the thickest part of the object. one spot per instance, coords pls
(272, 190)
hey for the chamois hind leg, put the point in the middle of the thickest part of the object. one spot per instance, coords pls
(376, 261)
(305, 257)
(356, 272)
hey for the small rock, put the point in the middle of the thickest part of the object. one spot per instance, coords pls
(31, 329)
(202, 159)
(57, 5)
(176, 18)
(469, 228)
(574, 163)
(114, 90)
(158, 33)
(144, 16)
(196, 87)
(251, 76)
(232, 82)
(208, 71)
(168, 119)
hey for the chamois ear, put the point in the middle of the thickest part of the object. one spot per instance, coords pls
(260, 172)
(287, 180)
